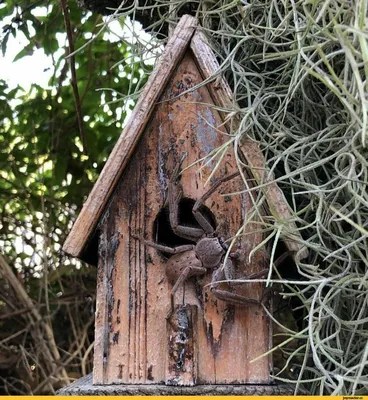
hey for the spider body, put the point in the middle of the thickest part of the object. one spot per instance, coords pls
(206, 254)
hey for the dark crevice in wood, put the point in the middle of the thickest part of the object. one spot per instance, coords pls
(90, 251)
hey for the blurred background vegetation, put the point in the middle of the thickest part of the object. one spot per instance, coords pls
(49, 159)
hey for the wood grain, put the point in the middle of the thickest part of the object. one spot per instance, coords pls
(85, 387)
(97, 200)
(252, 154)
(133, 292)
(131, 330)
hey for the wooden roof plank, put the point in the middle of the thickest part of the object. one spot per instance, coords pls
(97, 200)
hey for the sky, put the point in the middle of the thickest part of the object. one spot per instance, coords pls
(31, 69)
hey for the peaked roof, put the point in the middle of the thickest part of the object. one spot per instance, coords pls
(186, 35)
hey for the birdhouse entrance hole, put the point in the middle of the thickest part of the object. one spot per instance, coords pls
(162, 231)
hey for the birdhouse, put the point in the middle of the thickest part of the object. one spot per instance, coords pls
(166, 231)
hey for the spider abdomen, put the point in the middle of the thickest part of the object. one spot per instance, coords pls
(178, 262)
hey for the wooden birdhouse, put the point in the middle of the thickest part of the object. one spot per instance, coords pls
(159, 226)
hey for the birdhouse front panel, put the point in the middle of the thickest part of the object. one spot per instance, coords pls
(157, 320)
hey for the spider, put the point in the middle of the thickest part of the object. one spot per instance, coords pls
(208, 252)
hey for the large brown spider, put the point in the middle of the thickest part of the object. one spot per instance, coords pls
(208, 252)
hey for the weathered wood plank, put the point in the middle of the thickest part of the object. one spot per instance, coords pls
(84, 387)
(101, 192)
(182, 349)
(101, 314)
(253, 157)
(138, 283)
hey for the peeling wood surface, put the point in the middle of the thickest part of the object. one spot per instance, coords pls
(182, 346)
(253, 157)
(133, 291)
(97, 200)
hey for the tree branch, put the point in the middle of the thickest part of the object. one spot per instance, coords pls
(78, 108)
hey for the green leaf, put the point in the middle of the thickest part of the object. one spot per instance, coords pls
(4, 42)
(24, 29)
(26, 51)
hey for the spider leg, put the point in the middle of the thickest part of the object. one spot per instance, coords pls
(198, 215)
(234, 298)
(220, 275)
(166, 249)
(186, 273)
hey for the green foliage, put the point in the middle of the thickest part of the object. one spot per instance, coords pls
(45, 174)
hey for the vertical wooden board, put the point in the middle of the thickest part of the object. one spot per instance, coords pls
(258, 324)
(252, 323)
(137, 303)
(137, 311)
(106, 326)
(182, 352)
(130, 361)
(100, 316)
